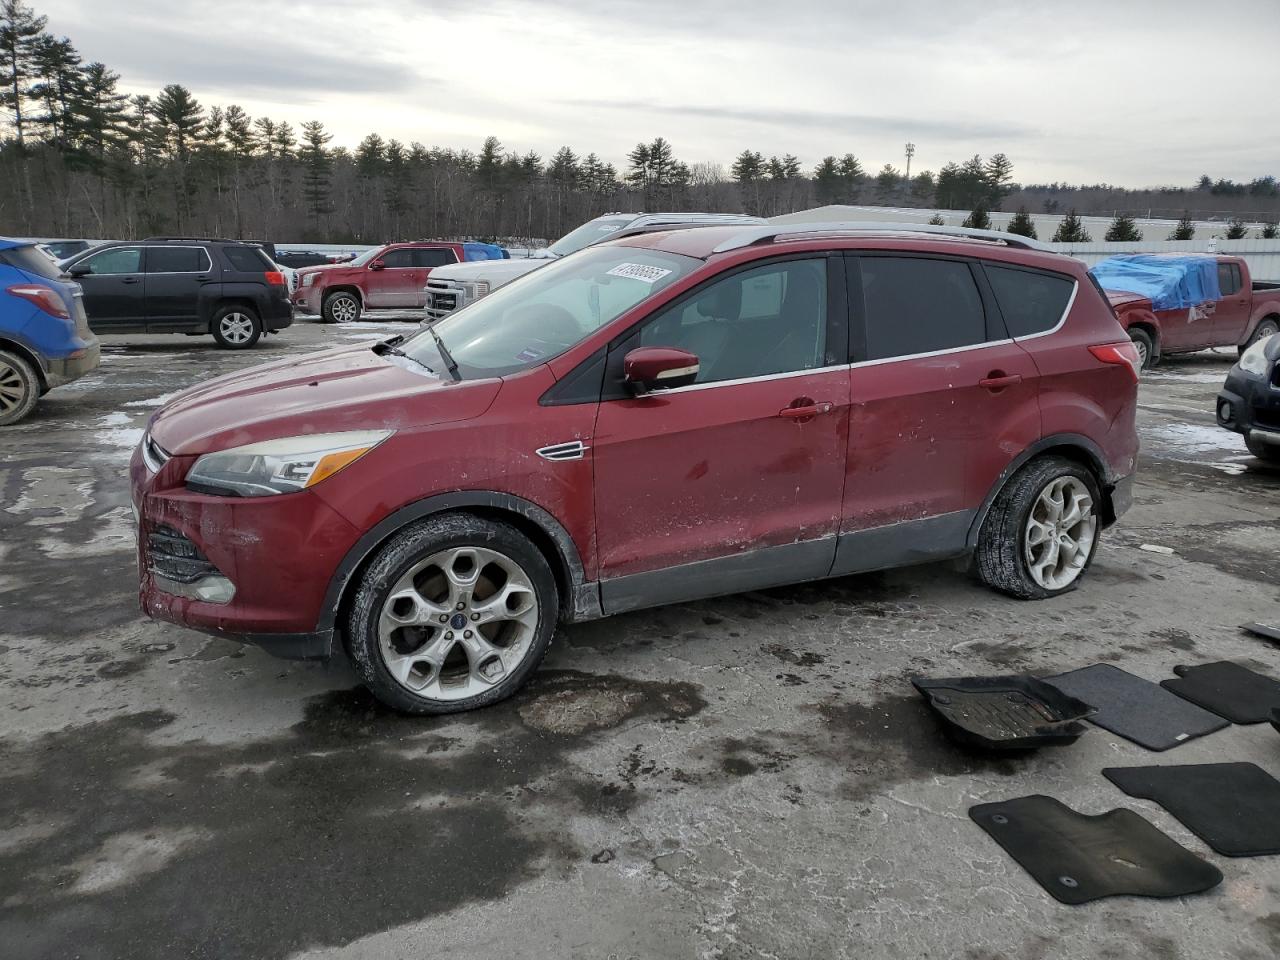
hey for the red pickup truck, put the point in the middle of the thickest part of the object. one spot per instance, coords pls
(1246, 311)
(393, 276)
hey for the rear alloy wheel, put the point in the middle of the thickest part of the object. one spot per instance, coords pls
(1146, 347)
(453, 613)
(1268, 327)
(236, 328)
(19, 388)
(341, 308)
(1042, 530)
(1266, 452)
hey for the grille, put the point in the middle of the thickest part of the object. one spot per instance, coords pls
(172, 555)
(1268, 419)
(153, 455)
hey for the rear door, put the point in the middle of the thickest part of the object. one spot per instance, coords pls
(1232, 314)
(174, 278)
(720, 486)
(113, 289)
(941, 401)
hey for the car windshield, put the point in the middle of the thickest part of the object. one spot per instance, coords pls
(589, 233)
(364, 258)
(539, 316)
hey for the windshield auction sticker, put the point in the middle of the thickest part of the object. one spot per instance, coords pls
(639, 271)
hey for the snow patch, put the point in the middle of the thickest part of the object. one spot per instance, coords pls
(1191, 437)
(159, 401)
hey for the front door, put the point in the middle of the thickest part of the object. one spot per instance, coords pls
(941, 402)
(175, 277)
(113, 289)
(734, 482)
(396, 285)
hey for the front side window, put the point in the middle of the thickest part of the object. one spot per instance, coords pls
(117, 260)
(176, 260)
(397, 258)
(540, 315)
(1030, 302)
(768, 320)
(914, 305)
(431, 257)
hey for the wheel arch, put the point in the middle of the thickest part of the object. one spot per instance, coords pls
(1151, 327)
(579, 599)
(342, 288)
(29, 355)
(1069, 445)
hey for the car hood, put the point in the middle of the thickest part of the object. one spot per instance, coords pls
(496, 272)
(350, 388)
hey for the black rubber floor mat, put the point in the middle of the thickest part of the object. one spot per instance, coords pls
(1228, 689)
(1233, 807)
(1005, 713)
(1136, 709)
(1078, 858)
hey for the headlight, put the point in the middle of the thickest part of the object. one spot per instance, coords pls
(1254, 360)
(281, 466)
(308, 279)
(475, 289)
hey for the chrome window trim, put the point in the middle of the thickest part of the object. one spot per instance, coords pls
(932, 353)
(733, 383)
(1075, 289)
(180, 273)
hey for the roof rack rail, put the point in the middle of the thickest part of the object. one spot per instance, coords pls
(772, 232)
(197, 240)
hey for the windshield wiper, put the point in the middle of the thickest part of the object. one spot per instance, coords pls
(449, 363)
(384, 347)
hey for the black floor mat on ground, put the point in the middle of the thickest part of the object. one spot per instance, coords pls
(1004, 713)
(1136, 709)
(1228, 689)
(1233, 807)
(1077, 858)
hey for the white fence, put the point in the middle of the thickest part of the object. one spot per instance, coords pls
(1263, 256)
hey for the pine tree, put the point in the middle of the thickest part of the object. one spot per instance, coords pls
(1022, 224)
(978, 219)
(1186, 229)
(317, 168)
(887, 181)
(180, 116)
(1123, 230)
(998, 173)
(937, 220)
(826, 180)
(1270, 231)
(1236, 229)
(563, 169)
(851, 176)
(20, 30)
(55, 66)
(1071, 230)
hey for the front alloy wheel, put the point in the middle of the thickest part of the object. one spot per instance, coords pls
(454, 612)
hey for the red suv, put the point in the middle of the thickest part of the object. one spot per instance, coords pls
(393, 276)
(665, 417)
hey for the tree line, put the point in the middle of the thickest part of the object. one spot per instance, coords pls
(78, 157)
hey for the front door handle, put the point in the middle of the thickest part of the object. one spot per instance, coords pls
(130, 280)
(998, 380)
(808, 410)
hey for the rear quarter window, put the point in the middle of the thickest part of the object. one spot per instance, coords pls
(32, 261)
(1030, 302)
(247, 259)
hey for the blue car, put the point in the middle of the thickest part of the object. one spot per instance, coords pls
(44, 334)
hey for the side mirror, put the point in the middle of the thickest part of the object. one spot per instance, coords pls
(659, 368)
(377, 265)
(79, 270)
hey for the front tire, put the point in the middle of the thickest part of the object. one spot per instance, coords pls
(1042, 531)
(1146, 347)
(453, 613)
(1266, 452)
(340, 307)
(236, 328)
(19, 388)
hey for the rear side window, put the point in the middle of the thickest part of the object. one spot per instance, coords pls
(433, 257)
(247, 259)
(914, 305)
(1030, 302)
(1229, 278)
(32, 261)
(176, 260)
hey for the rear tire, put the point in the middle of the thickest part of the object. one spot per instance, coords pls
(1266, 328)
(1266, 452)
(498, 599)
(1146, 347)
(1042, 531)
(236, 328)
(20, 388)
(340, 307)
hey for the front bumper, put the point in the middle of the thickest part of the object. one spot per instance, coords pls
(1250, 403)
(65, 369)
(278, 552)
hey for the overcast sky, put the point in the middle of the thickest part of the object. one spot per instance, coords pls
(1131, 92)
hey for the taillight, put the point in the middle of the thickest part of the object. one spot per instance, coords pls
(1124, 353)
(275, 278)
(43, 297)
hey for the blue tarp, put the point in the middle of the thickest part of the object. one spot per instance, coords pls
(482, 251)
(1170, 282)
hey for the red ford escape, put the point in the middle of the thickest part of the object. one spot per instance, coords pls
(669, 416)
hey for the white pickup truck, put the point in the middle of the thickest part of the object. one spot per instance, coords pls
(453, 287)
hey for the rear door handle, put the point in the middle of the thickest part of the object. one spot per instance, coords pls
(810, 410)
(998, 381)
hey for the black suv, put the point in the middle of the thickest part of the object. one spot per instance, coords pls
(225, 288)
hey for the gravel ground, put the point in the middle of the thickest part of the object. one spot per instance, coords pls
(744, 777)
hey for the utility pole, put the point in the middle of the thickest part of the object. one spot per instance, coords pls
(911, 152)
